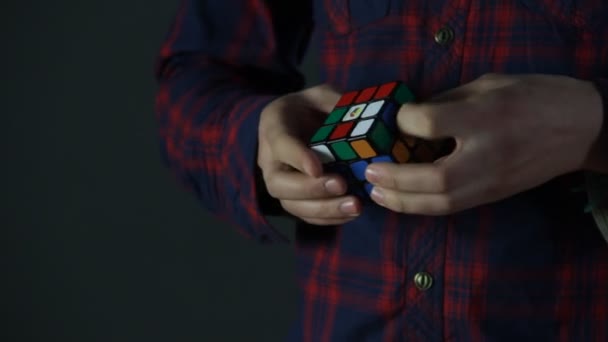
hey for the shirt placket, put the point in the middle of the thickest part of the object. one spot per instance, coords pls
(426, 242)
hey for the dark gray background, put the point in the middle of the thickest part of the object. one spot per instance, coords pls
(99, 242)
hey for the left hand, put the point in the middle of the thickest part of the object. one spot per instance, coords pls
(512, 133)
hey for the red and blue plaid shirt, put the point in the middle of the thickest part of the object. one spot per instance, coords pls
(532, 267)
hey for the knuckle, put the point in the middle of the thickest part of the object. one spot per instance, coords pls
(295, 208)
(391, 178)
(445, 205)
(269, 113)
(288, 206)
(428, 123)
(490, 76)
(272, 192)
(319, 90)
(310, 209)
(402, 206)
(395, 203)
(272, 137)
(271, 188)
(418, 117)
(392, 182)
(442, 179)
(315, 190)
(319, 210)
(487, 81)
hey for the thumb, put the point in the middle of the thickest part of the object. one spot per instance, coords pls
(322, 98)
(434, 121)
(290, 151)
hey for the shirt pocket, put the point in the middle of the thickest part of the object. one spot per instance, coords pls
(345, 16)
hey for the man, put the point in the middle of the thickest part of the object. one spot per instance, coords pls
(489, 243)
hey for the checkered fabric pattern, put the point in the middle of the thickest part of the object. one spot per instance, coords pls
(532, 267)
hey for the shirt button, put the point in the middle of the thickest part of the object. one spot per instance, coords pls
(423, 281)
(444, 36)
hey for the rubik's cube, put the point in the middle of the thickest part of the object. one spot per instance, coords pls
(362, 129)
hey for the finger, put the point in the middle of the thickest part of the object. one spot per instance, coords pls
(291, 151)
(435, 120)
(427, 204)
(294, 185)
(322, 97)
(334, 208)
(442, 176)
(326, 222)
(415, 178)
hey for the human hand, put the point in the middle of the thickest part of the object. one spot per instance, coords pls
(512, 133)
(292, 172)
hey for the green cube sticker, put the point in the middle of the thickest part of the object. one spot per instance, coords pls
(344, 151)
(335, 116)
(322, 134)
(403, 94)
(381, 138)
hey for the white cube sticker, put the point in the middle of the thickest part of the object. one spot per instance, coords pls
(354, 112)
(372, 109)
(323, 153)
(362, 127)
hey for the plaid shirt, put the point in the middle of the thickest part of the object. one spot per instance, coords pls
(532, 267)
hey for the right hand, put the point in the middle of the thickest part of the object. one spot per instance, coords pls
(292, 172)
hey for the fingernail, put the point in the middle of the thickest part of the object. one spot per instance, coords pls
(372, 175)
(333, 186)
(349, 208)
(377, 196)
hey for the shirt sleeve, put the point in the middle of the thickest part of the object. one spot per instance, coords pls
(220, 64)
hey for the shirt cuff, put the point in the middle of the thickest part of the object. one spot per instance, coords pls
(248, 198)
